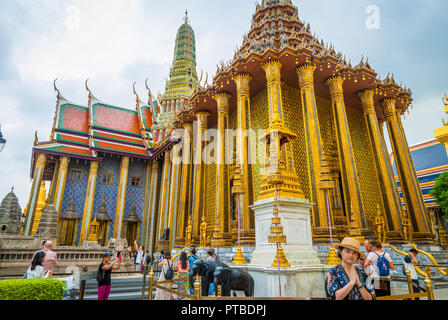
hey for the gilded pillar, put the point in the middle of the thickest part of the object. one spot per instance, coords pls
(390, 197)
(174, 196)
(220, 233)
(199, 172)
(247, 234)
(153, 206)
(60, 183)
(185, 196)
(88, 203)
(121, 198)
(164, 200)
(146, 210)
(34, 193)
(54, 180)
(358, 224)
(406, 172)
(305, 73)
(280, 161)
(41, 204)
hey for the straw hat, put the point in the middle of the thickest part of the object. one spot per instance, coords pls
(350, 243)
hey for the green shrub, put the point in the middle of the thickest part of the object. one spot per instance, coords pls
(32, 289)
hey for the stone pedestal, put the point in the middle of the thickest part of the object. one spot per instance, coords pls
(296, 223)
(296, 281)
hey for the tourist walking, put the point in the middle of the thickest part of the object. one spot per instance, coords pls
(362, 261)
(50, 257)
(210, 259)
(210, 256)
(36, 269)
(147, 259)
(345, 281)
(410, 260)
(192, 257)
(105, 270)
(139, 258)
(165, 265)
(380, 273)
(183, 268)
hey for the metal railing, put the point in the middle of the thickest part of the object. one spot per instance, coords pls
(412, 295)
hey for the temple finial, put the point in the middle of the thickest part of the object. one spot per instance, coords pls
(56, 89)
(135, 92)
(186, 16)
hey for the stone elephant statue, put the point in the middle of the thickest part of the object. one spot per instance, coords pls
(205, 270)
(233, 279)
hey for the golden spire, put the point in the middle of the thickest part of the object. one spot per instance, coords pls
(186, 17)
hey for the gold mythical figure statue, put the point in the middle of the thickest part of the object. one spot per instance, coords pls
(188, 234)
(380, 225)
(203, 242)
(407, 235)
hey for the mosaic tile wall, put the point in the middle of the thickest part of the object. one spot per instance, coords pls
(137, 168)
(368, 179)
(107, 191)
(293, 115)
(76, 189)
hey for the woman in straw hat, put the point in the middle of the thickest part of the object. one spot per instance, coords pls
(345, 281)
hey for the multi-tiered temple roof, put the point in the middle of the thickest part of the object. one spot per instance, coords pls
(83, 132)
(278, 33)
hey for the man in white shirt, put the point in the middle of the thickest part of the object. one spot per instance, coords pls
(409, 261)
(140, 254)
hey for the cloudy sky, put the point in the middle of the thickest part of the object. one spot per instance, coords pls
(117, 42)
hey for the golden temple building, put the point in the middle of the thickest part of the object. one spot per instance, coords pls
(332, 114)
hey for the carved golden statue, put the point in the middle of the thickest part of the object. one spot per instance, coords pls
(380, 225)
(203, 242)
(188, 234)
(407, 235)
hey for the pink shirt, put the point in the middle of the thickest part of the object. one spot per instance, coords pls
(50, 259)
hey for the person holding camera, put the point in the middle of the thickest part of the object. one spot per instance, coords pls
(410, 260)
(104, 275)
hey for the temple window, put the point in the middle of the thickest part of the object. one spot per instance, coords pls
(136, 182)
(107, 178)
(75, 174)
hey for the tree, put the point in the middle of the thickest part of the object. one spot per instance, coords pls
(440, 193)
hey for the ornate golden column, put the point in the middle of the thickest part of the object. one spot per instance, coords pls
(290, 186)
(185, 196)
(174, 195)
(199, 171)
(146, 210)
(391, 199)
(88, 203)
(406, 172)
(34, 193)
(153, 202)
(321, 232)
(164, 200)
(121, 198)
(247, 234)
(358, 226)
(220, 233)
(60, 184)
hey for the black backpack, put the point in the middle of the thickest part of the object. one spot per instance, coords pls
(100, 274)
(170, 272)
